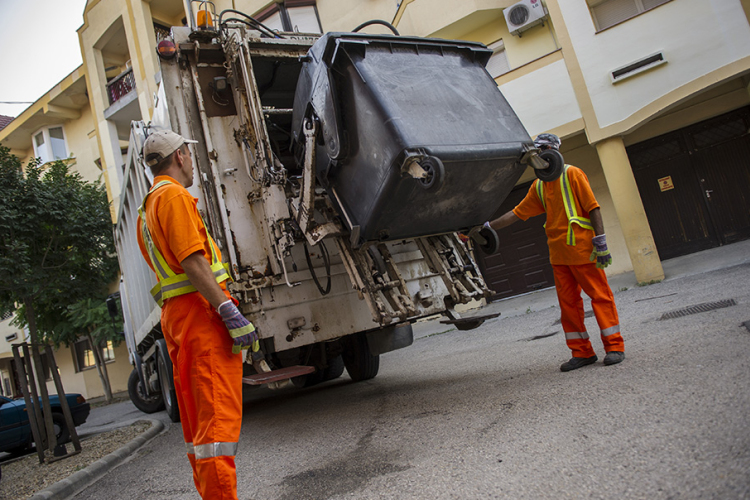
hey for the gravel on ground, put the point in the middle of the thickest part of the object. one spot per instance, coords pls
(24, 477)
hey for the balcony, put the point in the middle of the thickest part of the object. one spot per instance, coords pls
(123, 103)
(120, 86)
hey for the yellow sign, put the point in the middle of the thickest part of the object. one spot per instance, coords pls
(665, 183)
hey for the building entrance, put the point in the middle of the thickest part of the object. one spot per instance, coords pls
(695, 184)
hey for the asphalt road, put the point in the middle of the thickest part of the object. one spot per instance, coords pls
(487, 414)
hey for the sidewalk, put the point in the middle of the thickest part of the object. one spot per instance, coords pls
(679, 267)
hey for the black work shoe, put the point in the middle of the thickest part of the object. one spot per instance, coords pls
(614, 357)
(576, 363)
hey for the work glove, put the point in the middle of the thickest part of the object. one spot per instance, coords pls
(478, 238)
(601, 253)
(240, 329)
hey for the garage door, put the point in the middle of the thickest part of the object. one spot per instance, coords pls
(695, 184)
(522, 263)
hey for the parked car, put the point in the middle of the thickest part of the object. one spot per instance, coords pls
(15, 429)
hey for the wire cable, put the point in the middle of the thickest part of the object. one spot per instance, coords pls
(251, 21)
(327, 263)
(377, 21)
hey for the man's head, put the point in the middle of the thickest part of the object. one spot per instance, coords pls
(547, 141)
(160, 147)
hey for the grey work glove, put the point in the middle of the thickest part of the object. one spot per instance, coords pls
(240, 329)
(476, 237)
(600, 254)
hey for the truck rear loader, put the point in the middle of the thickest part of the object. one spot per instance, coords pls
(334, 172)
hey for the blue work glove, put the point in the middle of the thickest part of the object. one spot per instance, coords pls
(240, 329)
(601, 253)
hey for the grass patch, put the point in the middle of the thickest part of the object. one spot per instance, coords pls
(647, 283)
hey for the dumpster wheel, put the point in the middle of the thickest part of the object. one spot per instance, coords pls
(556, 164)
(435, 173)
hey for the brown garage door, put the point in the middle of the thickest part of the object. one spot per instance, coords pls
(695, 184)
(522, 263)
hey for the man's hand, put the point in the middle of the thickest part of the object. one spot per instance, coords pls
(600, 254)
(240, 329)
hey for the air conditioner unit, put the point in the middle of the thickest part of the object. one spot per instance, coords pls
(524, 15)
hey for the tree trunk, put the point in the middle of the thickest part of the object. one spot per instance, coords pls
(101, 368)
(41, 382)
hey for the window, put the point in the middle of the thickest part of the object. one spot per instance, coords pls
(84, 355)
(607, 13)
(293, 15)
(49, 144)
(498, 63)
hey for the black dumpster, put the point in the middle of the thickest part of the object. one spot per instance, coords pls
(414, 136)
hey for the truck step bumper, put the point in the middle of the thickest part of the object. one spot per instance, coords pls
(277, 375)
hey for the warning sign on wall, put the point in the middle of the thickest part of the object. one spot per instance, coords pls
(665, 183)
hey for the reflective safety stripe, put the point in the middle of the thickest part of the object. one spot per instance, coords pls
(611, 331)
(576, 335)
(211, 450)
(170, 283)
(570, 206)
(190, 448)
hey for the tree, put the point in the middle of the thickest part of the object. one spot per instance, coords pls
(91, 318)
(56, 244)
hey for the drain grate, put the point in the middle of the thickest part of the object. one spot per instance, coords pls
(698, 308)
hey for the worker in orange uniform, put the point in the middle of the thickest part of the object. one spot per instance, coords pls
(578, 253)
(204, 330)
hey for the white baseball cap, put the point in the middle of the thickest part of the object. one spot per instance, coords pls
(163, 143)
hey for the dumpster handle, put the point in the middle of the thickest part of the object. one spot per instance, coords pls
(377, 21)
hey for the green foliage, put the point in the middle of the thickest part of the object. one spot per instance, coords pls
(88, 316)
(56, 244)
(647, 283)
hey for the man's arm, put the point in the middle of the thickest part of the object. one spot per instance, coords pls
(504, 220)
(202, 278)
(596, 221)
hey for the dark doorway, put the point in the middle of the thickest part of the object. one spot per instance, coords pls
(522, 263)
(695, 184)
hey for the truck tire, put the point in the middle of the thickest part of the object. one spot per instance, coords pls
(334, 369)
(146, 403)
(359, 362)
(166, 382)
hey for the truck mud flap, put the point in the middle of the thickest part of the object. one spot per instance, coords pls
(390, 338)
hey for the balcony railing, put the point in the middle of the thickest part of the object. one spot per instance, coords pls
(120, 86)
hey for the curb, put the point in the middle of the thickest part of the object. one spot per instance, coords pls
(68, 487)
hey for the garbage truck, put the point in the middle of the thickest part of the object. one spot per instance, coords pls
(335, 173)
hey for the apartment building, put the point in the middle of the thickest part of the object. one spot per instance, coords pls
(59, 126)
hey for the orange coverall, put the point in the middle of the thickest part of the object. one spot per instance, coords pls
(571, 265)
(207, 376)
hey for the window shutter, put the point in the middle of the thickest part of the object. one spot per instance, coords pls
(304, 19)
(498, 63)
(650, 4)
(613, 11)
(274, 21)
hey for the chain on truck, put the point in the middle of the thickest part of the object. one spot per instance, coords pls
(334, 172)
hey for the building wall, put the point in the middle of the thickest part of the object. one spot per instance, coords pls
(677, 29)
(125, 26)
(87, 381)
